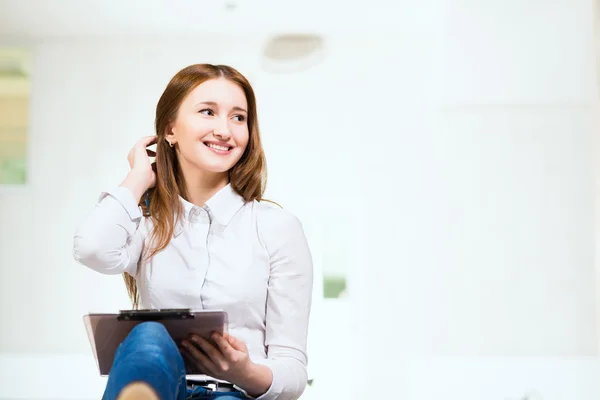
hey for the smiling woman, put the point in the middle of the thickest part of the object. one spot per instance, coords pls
(14, 105)
(206, 241)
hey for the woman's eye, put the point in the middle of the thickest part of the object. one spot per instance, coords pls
(239, 118)
(207, 111)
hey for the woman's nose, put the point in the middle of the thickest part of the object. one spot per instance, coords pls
(222, 130)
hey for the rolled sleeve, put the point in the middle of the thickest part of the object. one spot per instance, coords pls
(126, 200)
(289, 375)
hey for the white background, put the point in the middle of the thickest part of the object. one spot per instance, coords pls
(452, 144)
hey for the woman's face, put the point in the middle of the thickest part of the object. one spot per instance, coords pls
(211, 128)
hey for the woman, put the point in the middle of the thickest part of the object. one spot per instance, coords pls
(205, 240)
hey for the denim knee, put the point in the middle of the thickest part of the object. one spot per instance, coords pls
(150, 331)
(152, 336)
(148, 354)
(150, 341)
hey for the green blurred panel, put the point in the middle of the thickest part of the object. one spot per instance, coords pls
(13, 163)
(14, 114)
(334, 287)
(13, 171)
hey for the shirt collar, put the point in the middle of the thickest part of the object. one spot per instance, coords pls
(221, 207)
(224, 205)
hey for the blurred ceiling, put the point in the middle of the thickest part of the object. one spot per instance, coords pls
(59, 18)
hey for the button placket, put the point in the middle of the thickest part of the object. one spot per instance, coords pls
(199, 228)
(197, 233)
(210, 226)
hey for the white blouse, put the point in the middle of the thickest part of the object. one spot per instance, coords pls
(250, 259)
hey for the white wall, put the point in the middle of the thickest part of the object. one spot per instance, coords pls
(485, 197)
(460, 151)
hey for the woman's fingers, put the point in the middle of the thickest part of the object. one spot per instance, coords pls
(221, 358)
(213, 353)
(146, 141)
(225, 347)
(138, 155)
(196, 356)
(236, 343)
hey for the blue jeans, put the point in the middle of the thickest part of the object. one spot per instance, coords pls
(148, 354)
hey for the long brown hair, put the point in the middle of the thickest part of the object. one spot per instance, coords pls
(247, 177)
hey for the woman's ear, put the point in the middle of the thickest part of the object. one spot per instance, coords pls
(170, 135)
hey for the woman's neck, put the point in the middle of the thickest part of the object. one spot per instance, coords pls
(202, 185)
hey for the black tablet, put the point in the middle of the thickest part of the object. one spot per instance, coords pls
(107, 331)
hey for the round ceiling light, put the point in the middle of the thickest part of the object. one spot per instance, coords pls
(292, 53)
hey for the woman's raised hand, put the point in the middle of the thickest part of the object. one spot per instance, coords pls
(141, 176)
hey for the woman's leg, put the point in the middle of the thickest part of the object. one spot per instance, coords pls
(149, 355)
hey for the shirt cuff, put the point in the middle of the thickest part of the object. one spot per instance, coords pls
(125, 197)
(277, 385)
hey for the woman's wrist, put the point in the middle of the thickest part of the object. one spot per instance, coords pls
(256, 380)
(134, 182)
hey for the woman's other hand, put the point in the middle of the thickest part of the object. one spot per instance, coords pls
(229, 360)
(141, 177)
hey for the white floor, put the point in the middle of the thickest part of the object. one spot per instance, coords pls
(62, 377)
(74, 377)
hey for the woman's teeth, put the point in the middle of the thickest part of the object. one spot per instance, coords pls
(216, 146)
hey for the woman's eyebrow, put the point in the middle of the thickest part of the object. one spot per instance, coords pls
(214, 104)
